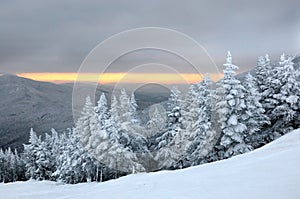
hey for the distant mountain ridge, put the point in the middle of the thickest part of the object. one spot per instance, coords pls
(29, 104)
(26, 104)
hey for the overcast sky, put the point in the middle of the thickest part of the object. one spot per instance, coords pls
(55, 36)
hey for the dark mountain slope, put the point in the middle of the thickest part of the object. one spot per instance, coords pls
(29, 104)
(26, 104)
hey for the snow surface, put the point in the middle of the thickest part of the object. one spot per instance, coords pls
(272, 171)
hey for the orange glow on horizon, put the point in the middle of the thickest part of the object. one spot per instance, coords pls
(107, 78)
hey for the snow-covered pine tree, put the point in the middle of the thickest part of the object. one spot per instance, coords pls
(124, 110)
(91, 129)
(12, 167)
(157, 120)
(170, 142)
(138, 135)
(70, 169)
(102, 110)
(100, 140)
(190, 111)
(10, 162)
(254, 114)
(62, 146)
(20, 170)
(133, 106)
(277, 109)
(230, 106)
(271, 87)
(283, 59)
(31, 152)
(115, 110)
(262, 71)
(87, 124)
(2, 167)
(289, 94)
(39, 157)
(46, 159)
(200, 140)
(118, 154)
(76, 165)
(4, 160)
(121, 159)
(99, 137)
(108, 143)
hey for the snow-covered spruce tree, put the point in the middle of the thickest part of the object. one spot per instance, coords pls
(76, 165)
(46, 158)
(268, 82)
(274, 82)
(190, 111)
(170, 142)
(102, 111)
(121, 114)
(130, 131)
(121, 159)
(66, 171)
(288, 96)
(5, 166)
(156, 122)
(12, 167)
(40, 156)
(230, 106)
(107, 142)
(100, 140)
(31, 154)
(200, 136)
(91, 128)
(2, 167)
(138, 135)
(20, 166)
(127, 115)
(254, 114)
(99, 135)
(133, 106)
(272, 86)
(58, 144)
(87, 123)
(61, 146)
(262, 71)
(115, 110)
(9, 166)
(124, 110)
(119, 156)
(274, 101)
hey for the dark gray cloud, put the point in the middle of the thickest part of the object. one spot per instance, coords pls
(55, 36)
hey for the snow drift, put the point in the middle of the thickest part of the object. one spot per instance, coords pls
(272, 171)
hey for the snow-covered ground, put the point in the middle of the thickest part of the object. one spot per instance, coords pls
(270, 172)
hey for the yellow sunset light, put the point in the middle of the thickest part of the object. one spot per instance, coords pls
(106, 78)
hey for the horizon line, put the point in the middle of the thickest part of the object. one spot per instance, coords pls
(110, 78)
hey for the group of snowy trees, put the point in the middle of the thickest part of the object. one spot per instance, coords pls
(12, 166)
(212, 121)
(239, 113)
(61, 158)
